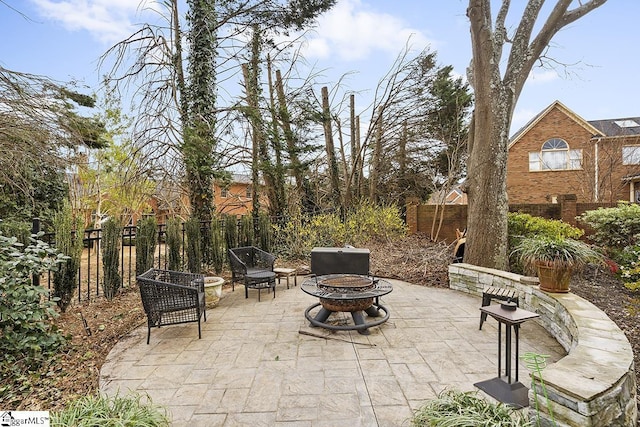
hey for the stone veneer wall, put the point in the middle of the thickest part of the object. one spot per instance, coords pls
(595, 383)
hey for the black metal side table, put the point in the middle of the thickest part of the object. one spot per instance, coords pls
(259, 280)
(505, 388)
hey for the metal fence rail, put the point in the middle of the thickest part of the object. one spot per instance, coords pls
(90, 270)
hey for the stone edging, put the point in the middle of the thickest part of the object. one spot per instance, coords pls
(595, 383)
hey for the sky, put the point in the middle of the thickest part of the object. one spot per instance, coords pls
(596, 58)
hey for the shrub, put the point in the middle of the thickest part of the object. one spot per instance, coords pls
(245, 236)
(28, 336)
(231, 231)
(265, 232)
(522, 225)
(19, 229)
(217, 244)
(614, 228)
(362, 224)
(146, 241)
(115, 411)
(289, 239)
(369, 222)
(457, 408)
(111, 241)
(194, 252)
(174, 242)
(69, 242)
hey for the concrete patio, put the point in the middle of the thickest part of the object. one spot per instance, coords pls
(261, 364)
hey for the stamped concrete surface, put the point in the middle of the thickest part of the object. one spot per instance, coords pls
(261, 364)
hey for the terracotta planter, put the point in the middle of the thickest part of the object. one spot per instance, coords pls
(554, 279)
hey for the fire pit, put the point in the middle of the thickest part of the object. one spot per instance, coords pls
(350, 293)
(343, 284)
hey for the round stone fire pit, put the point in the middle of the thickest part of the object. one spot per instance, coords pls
(351, 293)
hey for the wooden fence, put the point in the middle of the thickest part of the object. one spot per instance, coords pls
(420, 217)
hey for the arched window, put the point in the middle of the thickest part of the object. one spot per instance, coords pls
(555, 155)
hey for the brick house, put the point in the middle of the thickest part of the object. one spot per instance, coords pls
(558, 152)
(232, 198)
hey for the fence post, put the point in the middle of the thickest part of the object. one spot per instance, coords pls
(411, 212)
(35, 229)
(568, 208)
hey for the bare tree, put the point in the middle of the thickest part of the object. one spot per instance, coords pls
(497, 84)
(40, 133)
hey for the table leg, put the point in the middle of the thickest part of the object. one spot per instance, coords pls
(372, 311)
(499, 349)
(516, 329)
(358, 319)
(322, 315)
(507, 352)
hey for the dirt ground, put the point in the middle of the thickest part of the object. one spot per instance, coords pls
(95, 326)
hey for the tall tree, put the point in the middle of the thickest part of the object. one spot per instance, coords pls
(497, 84)
(183, 121)
(199, 122)
(40, 131)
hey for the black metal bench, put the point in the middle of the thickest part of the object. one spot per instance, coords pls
(172, 297)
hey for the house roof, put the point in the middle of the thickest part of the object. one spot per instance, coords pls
(629, 126)
(555, 105)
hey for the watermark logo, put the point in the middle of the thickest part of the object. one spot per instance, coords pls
(24, 418)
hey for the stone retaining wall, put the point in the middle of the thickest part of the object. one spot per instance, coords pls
(595, 383)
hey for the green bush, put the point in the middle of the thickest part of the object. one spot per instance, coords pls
(456, 408)
(231, 231)
(146, 241)
(111, 241)
(217, 244)
(19, 229)
(69, 242)
(265, 232)
(368, 222)
(194, 251)
(245, 236)
(522, 225)
(362, 224)
(614, 228)
(174, 242)
(28, 336)
(116, 411)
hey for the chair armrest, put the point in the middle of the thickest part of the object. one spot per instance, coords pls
(237, 266)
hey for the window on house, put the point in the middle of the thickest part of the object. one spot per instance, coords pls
(631, 155)
(248, 192)
(555, 155)
(224, 193)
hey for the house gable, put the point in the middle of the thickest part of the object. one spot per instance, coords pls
(594, 168)
(556, 105)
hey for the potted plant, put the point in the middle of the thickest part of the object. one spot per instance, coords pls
(555, 259)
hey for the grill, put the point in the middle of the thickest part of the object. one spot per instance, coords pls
(342, 283)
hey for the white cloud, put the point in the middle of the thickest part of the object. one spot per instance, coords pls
(540, 76)
(352, 31)
(108, 21)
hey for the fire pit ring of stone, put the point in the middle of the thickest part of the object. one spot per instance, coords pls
(351, 293)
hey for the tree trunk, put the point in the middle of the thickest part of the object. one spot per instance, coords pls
(292, 149)
(332, 163)
(278, 168)
(497, 86)
(255, 143)
(199, 136)
(355, 149)
(375, 160)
